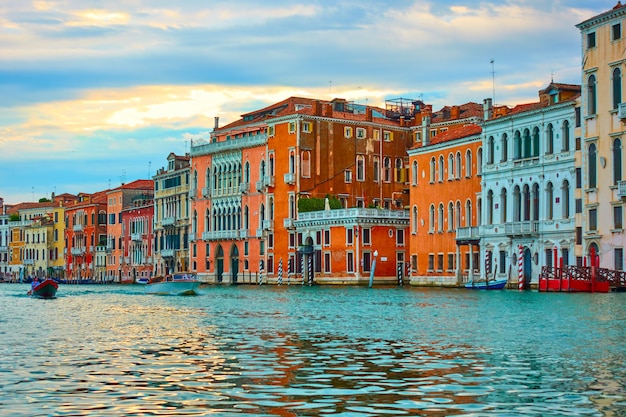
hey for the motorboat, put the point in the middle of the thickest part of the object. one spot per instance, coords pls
(175, 284)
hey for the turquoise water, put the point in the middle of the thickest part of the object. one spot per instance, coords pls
(311, 351)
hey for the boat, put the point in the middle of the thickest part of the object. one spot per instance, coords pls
(142, 280)
(496, 284)
(46, 289)
(176, 284)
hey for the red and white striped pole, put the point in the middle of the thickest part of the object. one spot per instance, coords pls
(520, 268)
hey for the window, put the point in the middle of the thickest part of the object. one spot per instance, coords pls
(432, 170)
(307, 127)
(349, 262)
(579, 205)
(366, 236)
(441, 169)
(458, 165)
(387, 169)
(431, 262)
(400, 237)
(360, 168)
(468, 163)
(414, 173)
(347, 132)
(618, 255)
(566, 137)
(550, 140)
(327, 262)
(479, 162)
(591, 95)
(489, 218)
(440, 262)
(549, 201)
(414, 221)
(360, 133)
(591, 40)
(617, 217)
(616, 80)
(450, 167)
(270, 130)
(591, 175)
(292, 127)
(347, 176)
(349, 236)
(505, 148)
(593, 219)
(565, 203)
(490, 150)
(577, 118)
(387, 136)
(502, 262)
(440, 218)
(616, 31)
(305, 160)
(376, 169)
(617, 161)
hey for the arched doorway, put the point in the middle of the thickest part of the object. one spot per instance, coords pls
(219, 263)
(234, 263)
(528, 261)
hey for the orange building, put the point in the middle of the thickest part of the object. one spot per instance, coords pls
(253, 177)
(85, 229)
(119, 199)
(445, 195)
(138, 240)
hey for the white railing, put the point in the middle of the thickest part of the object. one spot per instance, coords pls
(289, 223)
(244, 187)
(78, 228)
(206, 191)
(621, 188)
(353, 213)
(168, 221)
(204, 148)
(290, 178)
(136, 237)
(167, 253)
(521, 228)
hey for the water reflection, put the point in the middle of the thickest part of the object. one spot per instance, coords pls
(314, 352)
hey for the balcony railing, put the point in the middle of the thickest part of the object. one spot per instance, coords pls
(205, 148)
(243, 233)
(136, 237)
(526, 228)
(29, 261)
(468, 233)
(168, 253)
(289, 223)
(4, 248)
(168, 221)
(244, 187)
(621, 189)
(78, 251)
(268, 224)
(290, 178)
(220, 235)
(78, 227)
(354, 213)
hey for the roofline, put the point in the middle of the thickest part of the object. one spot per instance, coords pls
(618, 10)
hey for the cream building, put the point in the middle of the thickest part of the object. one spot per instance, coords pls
(604, 118)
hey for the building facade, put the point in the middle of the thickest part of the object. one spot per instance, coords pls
(254, 175)
(604, 115)
(529, 179)
(171, 216)
(138, 241)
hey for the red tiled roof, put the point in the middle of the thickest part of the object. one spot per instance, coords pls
(453, 134)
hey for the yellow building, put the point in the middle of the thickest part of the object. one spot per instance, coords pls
(603, 134)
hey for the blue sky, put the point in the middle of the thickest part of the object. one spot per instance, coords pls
(93, 94)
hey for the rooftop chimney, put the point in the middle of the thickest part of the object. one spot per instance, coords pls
(487, 108)
(217, 123)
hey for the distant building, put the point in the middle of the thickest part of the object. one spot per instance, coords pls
(138, 240)
(604, 118)
(171, 216)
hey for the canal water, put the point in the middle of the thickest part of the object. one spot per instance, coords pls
(311, 351)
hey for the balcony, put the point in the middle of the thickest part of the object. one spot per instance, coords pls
(78, 251)
(466, 235)
(259, 232)
(290, 178)
(289, 223)
(220, 235)
(621, 188)
(243, 233)
(78, 227)
(168, 253)
(4, 248)
(244, 187)
(29, 261)
(192, 237)
(527, 228)
(259, 186)
(168, 221)
(268, 224)
(621, 111)
(268, 181)
(201, 147)
(206, 192)
(192, 192)
(136, 237)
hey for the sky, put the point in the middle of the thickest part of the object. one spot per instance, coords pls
(94, 94)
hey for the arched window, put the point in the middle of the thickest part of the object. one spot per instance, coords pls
(591, 95)
(247, 173)
(450, 216)
(503, 206)
(479, 161)
(431, 219)
(292, 162)
(194, 223)
(527, 147)
(504, 155)
(489, 219)
(292, 206)
(549, 201)
(565, 200)
(479, 211)
(526, 202)
(535, 144)
(440, 218)
(468, 213)
(457, 215)
(458, 165)
(535, 197)
(517, 204)
(414, 173)
(432, 169)
(517, 145)
(617, 87)
(591, 174)
(414, 220)
(305, 164)
(617, 160)
(450, 166)
(468, 163)
(566, 136)
(387, 169)
(550, 139)
(490, 150)
(441, 168)
(360, 168)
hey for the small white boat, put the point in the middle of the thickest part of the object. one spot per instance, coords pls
(177, 284)
(142, 280)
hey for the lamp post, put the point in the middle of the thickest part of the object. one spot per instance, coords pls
(373, 269)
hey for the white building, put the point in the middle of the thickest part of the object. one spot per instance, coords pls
(528, 184)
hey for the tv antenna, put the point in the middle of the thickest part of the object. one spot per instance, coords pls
(493, 81)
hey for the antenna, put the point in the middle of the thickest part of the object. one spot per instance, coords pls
(493, 81)
(149, 165)
(330, 88)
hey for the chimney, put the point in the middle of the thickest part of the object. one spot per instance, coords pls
(487, 108)
(217, 123)
(368, 114)
(425, 129)
(328, 110)
(317, 106)
(455, 112)
(402, 122)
